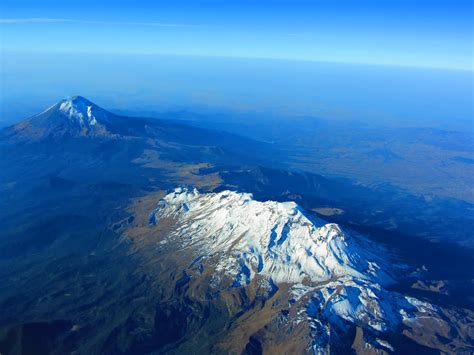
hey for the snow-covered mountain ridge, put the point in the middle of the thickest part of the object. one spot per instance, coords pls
(269, 238)
(341, 277)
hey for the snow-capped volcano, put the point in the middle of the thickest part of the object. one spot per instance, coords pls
(340, 278)
(82, 112)
(76, 116)
(269, 238)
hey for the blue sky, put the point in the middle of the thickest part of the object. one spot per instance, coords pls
(260, 56)
(408, 33)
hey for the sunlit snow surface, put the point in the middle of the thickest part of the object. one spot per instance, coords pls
(342, 275)
(270, 238)
(82, 112)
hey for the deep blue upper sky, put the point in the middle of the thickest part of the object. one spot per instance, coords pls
(416, 33)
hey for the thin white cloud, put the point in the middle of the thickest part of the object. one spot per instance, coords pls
(13, 21)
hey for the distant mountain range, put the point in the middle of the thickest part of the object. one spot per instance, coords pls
(138, 235)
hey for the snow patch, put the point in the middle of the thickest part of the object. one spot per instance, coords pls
(82, 112)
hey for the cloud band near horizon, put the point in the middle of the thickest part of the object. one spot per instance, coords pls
(14, 21)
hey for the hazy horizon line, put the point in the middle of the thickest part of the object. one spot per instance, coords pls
(469, 70)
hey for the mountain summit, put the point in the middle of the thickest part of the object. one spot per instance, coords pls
(82, 112)
(270, 238)
(334, 280)
(76, 116)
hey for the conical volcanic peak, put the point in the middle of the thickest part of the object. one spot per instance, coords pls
(76, 116)
(82, 112)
